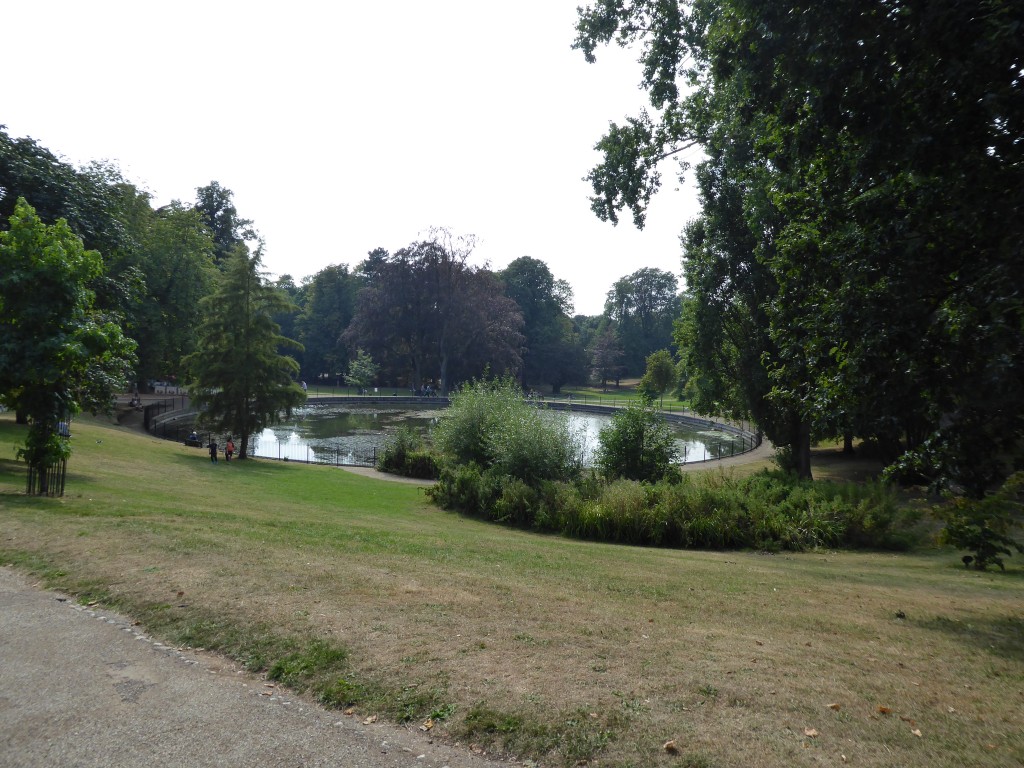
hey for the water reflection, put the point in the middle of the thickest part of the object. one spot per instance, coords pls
(338, 434)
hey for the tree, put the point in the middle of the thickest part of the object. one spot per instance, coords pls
(636, 445)
(58, 352)
(425, 313)
(606, 356)
(177, 260)
(86, 200)
(643, 306)
(659, 376)
(361, 371)
(328, 311)
(99, 205)
(229, 230)
(238, 378)
(879, 168)
(288, 319)
(156, 263)
(552, 351)
(724, 332)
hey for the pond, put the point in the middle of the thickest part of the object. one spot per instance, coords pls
(347, 434)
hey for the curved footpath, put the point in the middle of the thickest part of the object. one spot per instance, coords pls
(85, 688)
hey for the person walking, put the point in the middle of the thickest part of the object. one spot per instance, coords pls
(229, 449)
(213, 450)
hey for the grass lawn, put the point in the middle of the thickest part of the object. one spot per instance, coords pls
(621, 395)
(565, 651)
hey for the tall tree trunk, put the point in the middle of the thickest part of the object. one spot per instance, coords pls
(444, 376)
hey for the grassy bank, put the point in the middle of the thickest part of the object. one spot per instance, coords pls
(362, 593)
(621, 395)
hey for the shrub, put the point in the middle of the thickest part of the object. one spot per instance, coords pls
(768, 511)
(499, 453)
(517, 504)
(458, 488)
(404, 454)
(983, 526)
(636, 445)
(473, 414)
(421, 465)
(489, 423)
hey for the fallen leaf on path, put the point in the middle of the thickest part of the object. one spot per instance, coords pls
(908, 720)
(917, 732)
(427, 724)
(350, 711)
(370, 719)
(836, 707)
(885, 710)
(812, 732)
(670, 746)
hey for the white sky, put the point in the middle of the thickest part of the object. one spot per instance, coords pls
(347, 125)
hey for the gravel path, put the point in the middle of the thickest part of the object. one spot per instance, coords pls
(86, 688)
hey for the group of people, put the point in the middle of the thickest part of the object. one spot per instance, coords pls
(425, 391)
(229, 446)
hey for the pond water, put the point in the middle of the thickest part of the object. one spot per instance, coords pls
(345, 434)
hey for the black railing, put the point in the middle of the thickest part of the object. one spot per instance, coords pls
(180, 429)
(306, 454)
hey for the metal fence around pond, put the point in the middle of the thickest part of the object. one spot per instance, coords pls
(172, 419)
(178, 419)
(307, 454)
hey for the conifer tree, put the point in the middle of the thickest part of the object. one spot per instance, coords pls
(240, 380)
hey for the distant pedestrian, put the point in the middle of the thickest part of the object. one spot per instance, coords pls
(303, 386)
(213, 450)
(229, 450)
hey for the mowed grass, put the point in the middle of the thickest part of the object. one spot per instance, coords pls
(621, 395)
(563, 651)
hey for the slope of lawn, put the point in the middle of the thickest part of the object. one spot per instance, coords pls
(362, 594)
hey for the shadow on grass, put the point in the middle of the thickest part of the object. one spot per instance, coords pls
(1002, 636)
(190, 460)
(13, 472)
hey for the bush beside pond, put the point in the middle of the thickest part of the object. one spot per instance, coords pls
(768, 511)
(405, 454)
(501, 459)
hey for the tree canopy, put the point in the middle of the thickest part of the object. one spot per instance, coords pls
(862, 213)
(216, 205)
(643, 306)
(58, 352)
(426, 314)
(552, 351)
(327, 311)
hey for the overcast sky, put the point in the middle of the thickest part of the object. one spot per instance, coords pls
(345, 126)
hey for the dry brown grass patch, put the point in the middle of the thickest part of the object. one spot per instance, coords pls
(735, 656)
